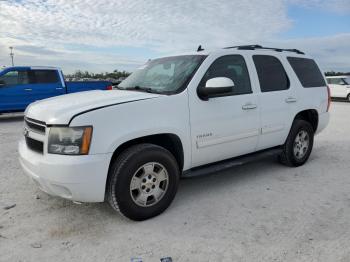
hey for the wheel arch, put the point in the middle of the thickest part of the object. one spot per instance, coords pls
(309, 115)
(169, 141)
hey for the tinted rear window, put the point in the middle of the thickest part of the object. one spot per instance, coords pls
(271, 73)
(45, 76)
(307, 71)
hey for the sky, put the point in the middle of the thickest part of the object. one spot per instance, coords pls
(104, 35)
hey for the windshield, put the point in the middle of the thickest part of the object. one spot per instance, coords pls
(164, 75)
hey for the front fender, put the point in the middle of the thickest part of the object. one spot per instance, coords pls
(116, 125)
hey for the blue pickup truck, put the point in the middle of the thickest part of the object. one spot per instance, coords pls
(20, 86)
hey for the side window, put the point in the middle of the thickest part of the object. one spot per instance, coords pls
(307, 71)
(45, 76)
(336, 81)
(271, 73)
(15, 78)
(233, 67)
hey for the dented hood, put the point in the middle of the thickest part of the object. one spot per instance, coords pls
(61, 109)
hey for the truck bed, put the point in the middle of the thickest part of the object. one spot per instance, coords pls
(79, 86)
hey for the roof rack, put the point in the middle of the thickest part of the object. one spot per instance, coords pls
(253, 47)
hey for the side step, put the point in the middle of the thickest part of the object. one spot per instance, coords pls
(227, 164)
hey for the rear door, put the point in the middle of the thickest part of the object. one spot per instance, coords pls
(14, 86)
(277, 100)
(45, 83)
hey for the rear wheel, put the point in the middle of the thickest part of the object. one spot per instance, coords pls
(298, 145)
(143, 181)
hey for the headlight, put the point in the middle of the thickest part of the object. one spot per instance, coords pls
(70, 140)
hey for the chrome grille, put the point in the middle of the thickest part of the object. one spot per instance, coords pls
(35, 125)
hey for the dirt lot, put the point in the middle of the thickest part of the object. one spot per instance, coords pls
(257, 212)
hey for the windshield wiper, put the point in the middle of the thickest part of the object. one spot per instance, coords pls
(140, 88)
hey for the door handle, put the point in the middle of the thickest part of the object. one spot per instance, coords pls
(291, 100)
(28, 89)
(59, 88)
(249, 106)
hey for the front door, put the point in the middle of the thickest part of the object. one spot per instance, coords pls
(14, 90)
(226, 126)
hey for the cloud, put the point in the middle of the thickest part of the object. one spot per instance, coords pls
(331, 52)
(178, 23)
(47, 32)
(164, 26)
(69, 60)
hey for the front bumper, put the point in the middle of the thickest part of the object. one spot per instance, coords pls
(77, 178)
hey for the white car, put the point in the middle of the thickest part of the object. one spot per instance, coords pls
(176, 116)
(339, 86)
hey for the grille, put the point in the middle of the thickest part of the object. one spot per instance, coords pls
(35, 145)
(35, 126)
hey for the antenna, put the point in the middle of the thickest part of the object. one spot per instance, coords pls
(199, 49)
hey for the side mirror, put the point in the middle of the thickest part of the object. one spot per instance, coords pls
(216, 86)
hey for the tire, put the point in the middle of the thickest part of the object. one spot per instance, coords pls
(296, 150)
(348, 98)
(138, 172)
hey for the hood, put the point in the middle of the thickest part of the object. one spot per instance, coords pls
(60, 109)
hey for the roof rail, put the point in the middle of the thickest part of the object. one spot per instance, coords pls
(253, 47)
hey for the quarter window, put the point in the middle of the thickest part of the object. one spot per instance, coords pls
(233, 67)
(307, 71)
(271, 73)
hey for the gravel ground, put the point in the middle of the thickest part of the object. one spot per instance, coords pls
(258, 212)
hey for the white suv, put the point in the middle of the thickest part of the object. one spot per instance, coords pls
(339, 86)
(177, 116)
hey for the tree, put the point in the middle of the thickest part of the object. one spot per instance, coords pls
(116, 74)
(332, 73)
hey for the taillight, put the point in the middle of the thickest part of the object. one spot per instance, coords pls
(329, 98)
(109, 88)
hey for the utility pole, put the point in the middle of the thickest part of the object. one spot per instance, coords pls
(12, 54)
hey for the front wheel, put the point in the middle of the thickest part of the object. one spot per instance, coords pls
(143, 181)
(298, 145)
